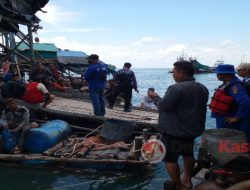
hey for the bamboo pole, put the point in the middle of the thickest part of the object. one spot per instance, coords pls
(83, 151)
(53, 149)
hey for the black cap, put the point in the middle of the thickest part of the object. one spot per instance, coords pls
(127, 64)
(93, 56)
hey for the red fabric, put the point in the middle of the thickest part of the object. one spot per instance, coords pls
(32, 94)
(221, 103)
(57, 86)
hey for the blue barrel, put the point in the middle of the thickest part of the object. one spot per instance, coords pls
(49, 134)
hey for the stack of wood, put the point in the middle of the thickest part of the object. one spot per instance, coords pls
(75, 147)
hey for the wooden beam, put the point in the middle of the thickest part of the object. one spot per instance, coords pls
(39, 157)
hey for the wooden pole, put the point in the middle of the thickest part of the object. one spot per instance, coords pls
(18, 157)
(145, 134)
(53, 149)
(31, 48)
(138, 145)
(15, 52)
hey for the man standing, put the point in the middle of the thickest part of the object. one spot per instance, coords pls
(96, 76)
(230, 104)
(182, 115)
(126, 83)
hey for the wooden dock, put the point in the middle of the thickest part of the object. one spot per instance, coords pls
(78, 111)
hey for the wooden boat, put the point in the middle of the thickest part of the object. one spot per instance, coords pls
(83, 151)
(80, 113)
(79, 163)
(76, 94)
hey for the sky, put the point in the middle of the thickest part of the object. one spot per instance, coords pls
(150, 33)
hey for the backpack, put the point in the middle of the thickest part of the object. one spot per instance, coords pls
(102, 72)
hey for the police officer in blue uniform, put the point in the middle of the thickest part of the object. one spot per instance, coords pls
(238, 110)
(96, 76)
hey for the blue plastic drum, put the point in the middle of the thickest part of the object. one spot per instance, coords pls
(49, 134)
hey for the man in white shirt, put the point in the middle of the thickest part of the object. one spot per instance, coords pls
(147, 102)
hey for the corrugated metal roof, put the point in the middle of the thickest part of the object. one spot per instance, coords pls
(39, 47)
(64, 53)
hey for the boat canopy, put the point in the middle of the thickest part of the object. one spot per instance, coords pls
(67, 57)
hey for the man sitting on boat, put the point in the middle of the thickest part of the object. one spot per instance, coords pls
(60, 81)
(11, 72)
(15, 120)
(36, 92)
(14, 88)
(40, 73)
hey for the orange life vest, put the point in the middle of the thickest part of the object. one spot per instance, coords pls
(32, 94)
(221, 103)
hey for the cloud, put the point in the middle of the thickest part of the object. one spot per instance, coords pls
(176, 48)
(157, 55)
(226, 43)
(56, 16)
(146, 41)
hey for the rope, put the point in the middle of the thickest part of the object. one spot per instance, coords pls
(84, 139)
(134, 147)
(92, 132)
(73, 151)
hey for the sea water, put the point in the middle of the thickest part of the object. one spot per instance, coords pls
(14, 177)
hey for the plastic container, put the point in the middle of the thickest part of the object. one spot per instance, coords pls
(49, 134)
(117, 130)
(224, 144)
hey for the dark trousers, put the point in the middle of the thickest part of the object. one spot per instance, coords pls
(127, 94)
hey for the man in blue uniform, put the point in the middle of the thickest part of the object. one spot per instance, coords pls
(126, 83)
(235, 110)
(96, 77)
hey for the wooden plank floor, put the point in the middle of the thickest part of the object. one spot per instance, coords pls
(84, 108)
